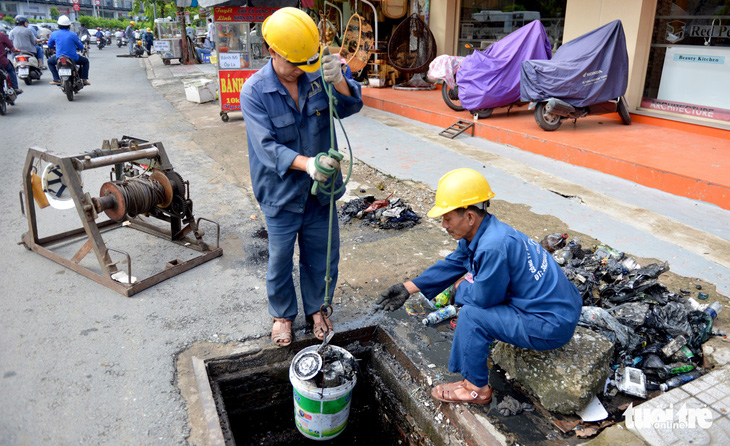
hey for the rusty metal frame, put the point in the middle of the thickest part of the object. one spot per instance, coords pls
(70, 167)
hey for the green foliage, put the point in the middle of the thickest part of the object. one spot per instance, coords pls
(100, 22)
(55, 13)
(9, 19)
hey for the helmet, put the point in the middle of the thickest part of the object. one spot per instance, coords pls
(64, 21)
(149, 30)
(20, 19)
(98, 28)
(458, 189)
(294, 36)
(131, 22)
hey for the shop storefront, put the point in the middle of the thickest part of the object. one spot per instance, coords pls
(688, 72)
(483, 22)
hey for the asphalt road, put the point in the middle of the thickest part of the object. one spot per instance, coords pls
(79, 362)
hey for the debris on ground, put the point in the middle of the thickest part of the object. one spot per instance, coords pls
(384, 214)
(510, 406)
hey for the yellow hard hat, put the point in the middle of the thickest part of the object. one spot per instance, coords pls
(460, 188)
(149, 29)
(294, 36)
(131, 22)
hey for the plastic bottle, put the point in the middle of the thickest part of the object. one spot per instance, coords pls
(673, 346)
(714, 309)
(418, 304)
(678, 380)
(678, 368)
(440, 315)
(443, 298)
(710, 315)
(553, 242)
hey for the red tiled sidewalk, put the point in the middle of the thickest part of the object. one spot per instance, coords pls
(681, 159)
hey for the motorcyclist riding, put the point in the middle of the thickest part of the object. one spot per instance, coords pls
(66, 44)
(24, 39)
(100, 37)
(7, 45)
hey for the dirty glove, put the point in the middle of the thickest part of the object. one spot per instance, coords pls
(319, 166)
(393, 298)
(332, 67)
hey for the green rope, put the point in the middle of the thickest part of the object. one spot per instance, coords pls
(331, 173)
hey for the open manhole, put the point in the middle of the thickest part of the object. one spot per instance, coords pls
(248, 398)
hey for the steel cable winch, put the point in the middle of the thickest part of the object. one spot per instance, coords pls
(143, 185)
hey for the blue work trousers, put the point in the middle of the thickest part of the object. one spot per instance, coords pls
(477, 328)
(82, 61)
(310, 231)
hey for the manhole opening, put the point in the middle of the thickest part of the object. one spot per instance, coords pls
(254, 397)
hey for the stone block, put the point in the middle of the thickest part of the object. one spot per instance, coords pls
(563, 380)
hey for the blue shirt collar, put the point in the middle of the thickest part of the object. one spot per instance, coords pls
(482, 228)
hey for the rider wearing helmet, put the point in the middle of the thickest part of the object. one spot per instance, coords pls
(7, 45)
(286, 109)
(129, 32)
(66, 44)
(509, 287)
(24, 39)
(100, 37)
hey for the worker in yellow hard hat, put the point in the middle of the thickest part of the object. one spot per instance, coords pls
(286, 110)
(508, 287)
(129, 33)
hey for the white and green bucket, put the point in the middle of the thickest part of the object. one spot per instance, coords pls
(320, 414)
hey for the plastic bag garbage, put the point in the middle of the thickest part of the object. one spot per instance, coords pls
(670, 318)
(510, 406)
(632, 314)
(383, 214)
(609, 326)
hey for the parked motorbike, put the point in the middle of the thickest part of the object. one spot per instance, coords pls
(71, 81)
(138, 48)
(586, 76)
(7, 92)
(27, 67)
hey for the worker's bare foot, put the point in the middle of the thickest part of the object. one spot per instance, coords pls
(462, 392)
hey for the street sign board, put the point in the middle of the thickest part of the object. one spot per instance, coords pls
(97, 2)
(77, 8)
(75, 2)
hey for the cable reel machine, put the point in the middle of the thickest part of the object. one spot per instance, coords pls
(144, 186)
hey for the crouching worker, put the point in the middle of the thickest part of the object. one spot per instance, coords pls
(511, 291)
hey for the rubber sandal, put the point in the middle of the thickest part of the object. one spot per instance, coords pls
(320, 326)
(446, 393)
(283, 336)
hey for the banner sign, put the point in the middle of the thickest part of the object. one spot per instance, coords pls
(241, 14)
(231, 82)
(682, 108)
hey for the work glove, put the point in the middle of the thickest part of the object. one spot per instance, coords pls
(332, 67)
(325, 162)
(393, 298)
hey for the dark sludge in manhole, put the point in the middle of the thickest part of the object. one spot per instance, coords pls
(257, 408)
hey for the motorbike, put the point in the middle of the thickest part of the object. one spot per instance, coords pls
(586, 76)
(27, 67)
(71, 81)
(121, 42)
(138, 48)
(490, 78)
(47, 51)
(7, 92)
(100, 42)
(85, 40)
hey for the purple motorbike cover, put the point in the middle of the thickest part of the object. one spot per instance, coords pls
(491, 78)
(590, 69)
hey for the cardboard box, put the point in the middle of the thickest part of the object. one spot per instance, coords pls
(200, 90)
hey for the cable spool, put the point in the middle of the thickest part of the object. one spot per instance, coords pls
(134, 196)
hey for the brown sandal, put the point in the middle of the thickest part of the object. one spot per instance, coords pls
(321, 327)
(447, 393)
(282, 336)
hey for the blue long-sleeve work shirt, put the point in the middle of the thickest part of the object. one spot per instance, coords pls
(66, 43)
(508, 268)
(278, 131)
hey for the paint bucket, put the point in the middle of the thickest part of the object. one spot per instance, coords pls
(319, 414)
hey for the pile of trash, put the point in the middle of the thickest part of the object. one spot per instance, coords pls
(383, 214)
(657, 334)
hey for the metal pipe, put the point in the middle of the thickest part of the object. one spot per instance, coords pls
(108, 160)
(558, 107)
(338, 10)
(375, 19)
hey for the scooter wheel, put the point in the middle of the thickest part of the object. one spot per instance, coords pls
(69, 89)
(451, 97)
(623, 111)
(482, 113)
(3, 104)
(28, 80)
(546, 121)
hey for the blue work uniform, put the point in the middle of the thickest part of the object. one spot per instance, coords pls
(519, 295)
(277, 131)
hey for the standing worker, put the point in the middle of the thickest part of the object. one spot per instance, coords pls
(511, 290)
(148, 40)
(286, 111)
(129, 32)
